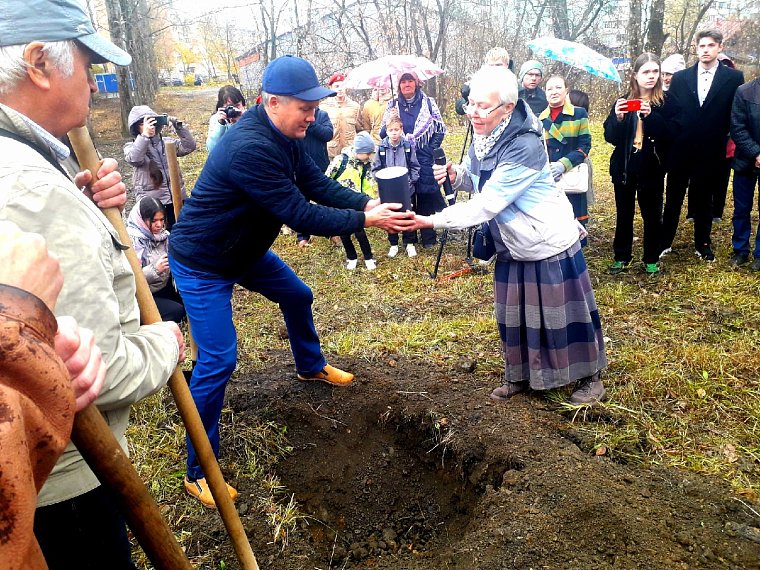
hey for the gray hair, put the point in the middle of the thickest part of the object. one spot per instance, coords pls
(499, 80)
(13, 68)
(265, 97)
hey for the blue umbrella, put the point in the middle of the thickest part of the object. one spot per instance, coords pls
(575, 54)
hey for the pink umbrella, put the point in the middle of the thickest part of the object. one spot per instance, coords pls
(385, 71)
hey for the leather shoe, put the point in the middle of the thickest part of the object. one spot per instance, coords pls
(200, 490)
(329, 374)
(505, 392)
(589, 391)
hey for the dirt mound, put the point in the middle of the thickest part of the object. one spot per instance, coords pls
(414, 467)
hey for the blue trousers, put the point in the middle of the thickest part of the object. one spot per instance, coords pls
(208, 302)
(744, 199)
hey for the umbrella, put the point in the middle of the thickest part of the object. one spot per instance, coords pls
(379, 72)
(575, 54)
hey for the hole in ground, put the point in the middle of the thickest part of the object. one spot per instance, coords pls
(381, 485)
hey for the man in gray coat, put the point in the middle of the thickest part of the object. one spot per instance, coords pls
(46, 50)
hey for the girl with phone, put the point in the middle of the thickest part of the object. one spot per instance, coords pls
(636, 126)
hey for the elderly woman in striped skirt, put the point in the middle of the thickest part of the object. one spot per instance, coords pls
(545, 308)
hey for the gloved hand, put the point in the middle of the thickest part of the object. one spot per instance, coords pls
(558, 169)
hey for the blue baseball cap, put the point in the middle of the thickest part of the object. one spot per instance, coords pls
(295, 77)
(25, 21)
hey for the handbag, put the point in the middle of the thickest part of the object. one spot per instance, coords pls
(575, 180)
(483, 245)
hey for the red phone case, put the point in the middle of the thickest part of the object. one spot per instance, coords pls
(632, 105)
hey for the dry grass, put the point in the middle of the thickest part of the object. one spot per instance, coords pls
(683, 378)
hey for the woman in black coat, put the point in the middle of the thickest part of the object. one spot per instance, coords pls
(637, 165)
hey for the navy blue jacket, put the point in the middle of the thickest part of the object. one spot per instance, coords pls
(745, 127)
(317, 136)
(257, 180)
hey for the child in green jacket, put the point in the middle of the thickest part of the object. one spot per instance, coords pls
(352, 168)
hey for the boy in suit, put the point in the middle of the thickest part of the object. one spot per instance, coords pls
(700, 99)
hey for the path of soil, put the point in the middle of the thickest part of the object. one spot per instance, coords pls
(413, 468)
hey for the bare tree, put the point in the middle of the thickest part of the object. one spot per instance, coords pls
(656, 28)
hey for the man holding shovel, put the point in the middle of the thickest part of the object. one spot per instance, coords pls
(46, 49)
(257, 179)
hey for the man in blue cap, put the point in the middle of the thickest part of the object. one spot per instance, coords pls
(258, 179)
(46, 49)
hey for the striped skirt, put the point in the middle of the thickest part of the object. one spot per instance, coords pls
(548, 320)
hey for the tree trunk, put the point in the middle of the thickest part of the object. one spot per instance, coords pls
(118, 33)
(634, 29)
(655, 30)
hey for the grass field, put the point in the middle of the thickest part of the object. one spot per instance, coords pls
(684, 373)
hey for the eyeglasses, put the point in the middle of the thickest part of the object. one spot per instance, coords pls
(481, 113)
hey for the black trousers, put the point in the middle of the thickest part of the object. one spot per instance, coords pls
(649, 194)
(348, 245)
(86, 533)
(169, 303)
(701, 185)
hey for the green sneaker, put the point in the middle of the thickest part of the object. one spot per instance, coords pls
(618, 267)
(651, 268)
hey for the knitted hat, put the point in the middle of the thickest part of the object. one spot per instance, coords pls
(407, 77)
(363, 143)
(673, 63)
(527, 66)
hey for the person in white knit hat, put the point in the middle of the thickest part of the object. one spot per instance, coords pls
(669, 66)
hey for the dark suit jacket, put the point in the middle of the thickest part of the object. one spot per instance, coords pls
(701, 133)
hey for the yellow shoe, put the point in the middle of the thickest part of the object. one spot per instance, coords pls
(329, 374)
(199, 489)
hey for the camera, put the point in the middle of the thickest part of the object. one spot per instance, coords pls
(460, 105)
(232, 112)
(162, 120)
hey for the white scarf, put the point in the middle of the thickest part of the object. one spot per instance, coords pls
(482, 144)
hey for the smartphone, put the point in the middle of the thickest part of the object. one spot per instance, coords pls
(632, 105)
(162, 120)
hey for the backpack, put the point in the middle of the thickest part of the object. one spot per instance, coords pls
(343, 162)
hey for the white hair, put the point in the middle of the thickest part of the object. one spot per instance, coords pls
(494, 79)
(13, 68)
(265, 97)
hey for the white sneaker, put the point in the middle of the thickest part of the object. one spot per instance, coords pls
(371, 264)
(666, 251)
(351, 264)
(411, 251)
(393, 251)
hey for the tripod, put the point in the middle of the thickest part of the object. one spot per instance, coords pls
(452, 199)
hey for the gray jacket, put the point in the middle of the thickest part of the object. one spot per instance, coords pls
(98, 291)
(140, 152)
